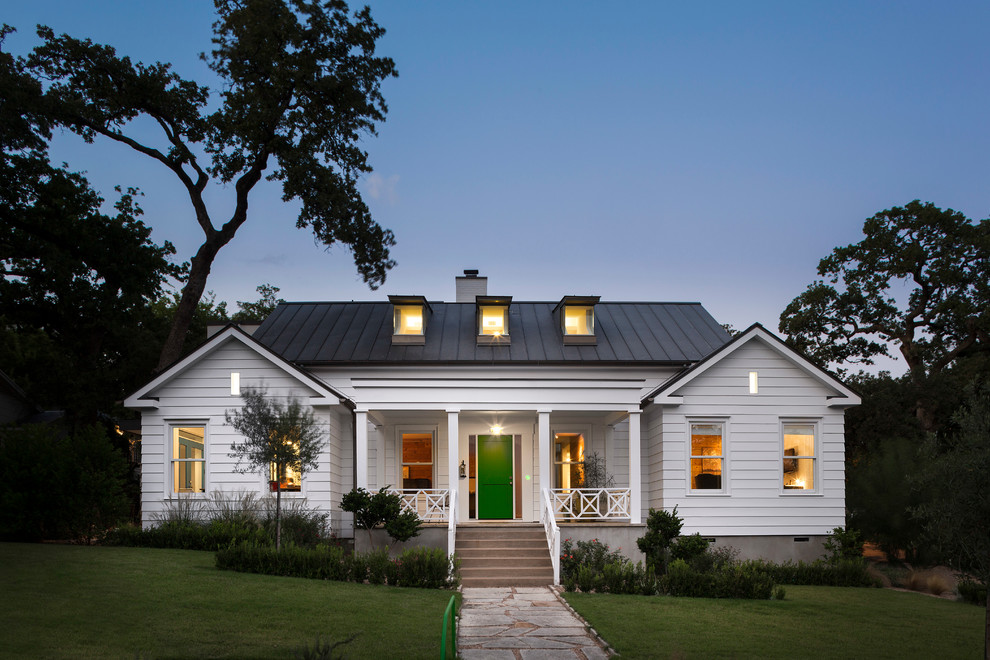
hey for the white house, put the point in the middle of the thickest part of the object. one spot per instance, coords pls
(486, 410)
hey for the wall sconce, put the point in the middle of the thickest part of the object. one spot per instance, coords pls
(462, 471)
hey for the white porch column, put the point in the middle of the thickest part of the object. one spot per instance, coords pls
(361, 448)
(544, 456)
(635, 473)
(453, 450)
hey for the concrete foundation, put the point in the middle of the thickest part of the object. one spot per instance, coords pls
(620, 537)
(429, 537)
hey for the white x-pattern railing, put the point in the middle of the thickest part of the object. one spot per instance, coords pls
(591, 503)
(430, 504)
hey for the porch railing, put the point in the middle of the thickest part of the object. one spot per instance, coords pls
(591, 503)
(430, 504)
(452, 522)
(553, 533)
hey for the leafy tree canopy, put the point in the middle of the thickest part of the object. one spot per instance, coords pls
(299, 86)
(919, 280)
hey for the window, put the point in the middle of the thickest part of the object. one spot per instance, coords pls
(799, 457)
(579, 320)
(417, 460)
(291, 481)
(494, 320)
(189, 459)
(408, 319)
(568, 459)
(707, 456)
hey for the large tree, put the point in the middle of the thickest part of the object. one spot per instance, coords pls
(75, 283)
(919, 280)
(299, 85)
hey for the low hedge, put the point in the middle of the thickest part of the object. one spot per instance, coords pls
(425, 568)
(734, 581)
(835, 573)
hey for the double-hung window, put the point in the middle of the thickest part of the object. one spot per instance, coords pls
(189, 458)
(800, 455)
(707, 457)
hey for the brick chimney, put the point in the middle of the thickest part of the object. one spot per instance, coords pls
(470, 285)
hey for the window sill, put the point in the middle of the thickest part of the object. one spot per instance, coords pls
(701, 493)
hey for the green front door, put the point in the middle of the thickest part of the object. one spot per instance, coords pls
(495, 476)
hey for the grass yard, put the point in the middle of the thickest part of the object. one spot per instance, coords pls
(811, 622)
(83, 602)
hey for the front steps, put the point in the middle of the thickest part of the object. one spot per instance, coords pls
(511, 555)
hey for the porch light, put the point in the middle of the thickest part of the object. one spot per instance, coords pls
(754, 382)
(235, 383)
(496, 430)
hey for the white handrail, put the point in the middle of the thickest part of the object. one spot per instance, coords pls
(553, 534)
(592, 503)
(452, 522)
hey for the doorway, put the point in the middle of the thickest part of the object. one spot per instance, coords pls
(495, 486)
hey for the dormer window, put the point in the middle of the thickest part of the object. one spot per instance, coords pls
(409, 319)
(577, 319)
(493, 319)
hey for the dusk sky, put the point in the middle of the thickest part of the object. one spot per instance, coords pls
(707, 151)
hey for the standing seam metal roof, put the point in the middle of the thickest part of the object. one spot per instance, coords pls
(361, 333)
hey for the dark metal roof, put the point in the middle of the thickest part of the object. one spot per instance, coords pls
(361, 333)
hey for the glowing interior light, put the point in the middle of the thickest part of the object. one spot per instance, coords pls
(235, 383)
(754, 382)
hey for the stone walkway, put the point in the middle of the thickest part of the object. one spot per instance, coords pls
(520, 623)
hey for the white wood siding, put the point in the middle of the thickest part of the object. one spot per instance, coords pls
(200, 395)
(754, 502)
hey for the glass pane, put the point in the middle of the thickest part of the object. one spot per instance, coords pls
(189, 476)
(799, 474)
(579, 320)
(706, 473)
(493, 321)
(408, 319)
(799, 440)
(417, 460)
(706, 439)
(568, 451)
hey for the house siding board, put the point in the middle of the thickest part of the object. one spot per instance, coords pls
(755, 503)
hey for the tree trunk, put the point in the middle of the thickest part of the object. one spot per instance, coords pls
(199, 271)
(278, 514)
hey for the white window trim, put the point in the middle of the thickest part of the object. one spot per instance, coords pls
(707, 492)
(170, 425)
(816, 423)
(403, 430)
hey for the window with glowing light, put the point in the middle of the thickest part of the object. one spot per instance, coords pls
(493, 320)
(579, 320)
(568, 459)
(291, 480)
(408, 320)
(707, 456)
(800, 456)
(189, 459)
(417, 460)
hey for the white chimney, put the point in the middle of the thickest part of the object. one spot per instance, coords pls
(470, 285)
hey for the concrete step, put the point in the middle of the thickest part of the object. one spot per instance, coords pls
(502, 552)
(532, 544)
(508, 572)
(501, 582)
(501, 562)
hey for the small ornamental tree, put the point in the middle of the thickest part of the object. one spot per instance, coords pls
(276, 437)
(381, 508)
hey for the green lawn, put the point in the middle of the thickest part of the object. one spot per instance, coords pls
(72, 601)
(811, 622)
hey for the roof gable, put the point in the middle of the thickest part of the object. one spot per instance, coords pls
(325, 394)
(667, 393)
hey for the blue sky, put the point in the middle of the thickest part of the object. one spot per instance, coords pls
(709, 151)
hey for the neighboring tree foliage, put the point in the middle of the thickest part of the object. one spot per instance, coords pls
(299, 86)
(59, 486)
(276, 436)
(75, 284)
(957, 473)
(258, 311)
(940, 259)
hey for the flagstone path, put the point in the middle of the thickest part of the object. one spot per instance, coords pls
(522, 623)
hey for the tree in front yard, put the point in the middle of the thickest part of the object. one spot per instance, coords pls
(277, 438)
(382, 508)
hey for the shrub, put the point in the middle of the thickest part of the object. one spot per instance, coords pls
(841, 573)
(688, 548)
(737, 581)
(662, 528)
(381, 508)
(843, 544)
(593, 554)
(972, 591)
(428, 568)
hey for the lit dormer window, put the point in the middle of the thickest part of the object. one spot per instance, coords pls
(577, 319)
(493, 319)
(409, 319)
